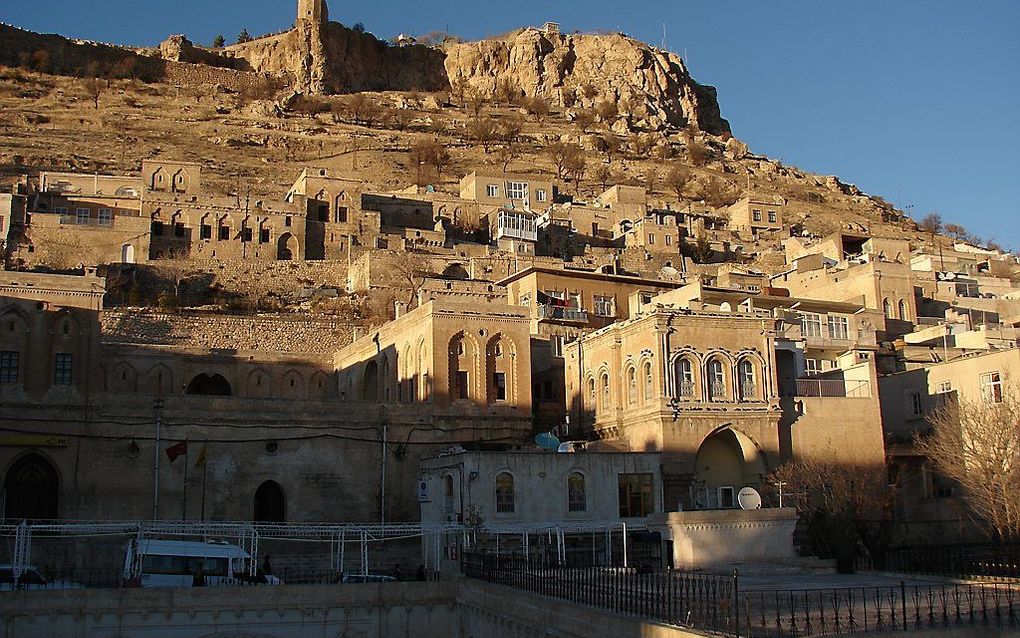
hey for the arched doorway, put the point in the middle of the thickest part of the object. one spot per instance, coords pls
(32, 489)
(127, 254)
(270, 504)
(727, 461)
(286, 247)
(456, 271)
(213, 385)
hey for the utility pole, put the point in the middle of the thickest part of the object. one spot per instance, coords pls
(158, 409)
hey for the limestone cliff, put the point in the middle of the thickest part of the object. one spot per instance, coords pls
(655, 82)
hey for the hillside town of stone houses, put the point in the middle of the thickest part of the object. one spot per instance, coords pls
(494, 337)
(729, 397)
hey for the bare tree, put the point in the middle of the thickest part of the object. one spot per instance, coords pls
(364, 109)
(977, 444)
(698, 153)
(175, 269)
(602, 175)
(483, 131)
(565, 156)
(716, 193)
(93, 89)
(584, 119)
(843, 504)
(537, 107)
(677, 180)
(410, 270)
(510, 128)
(607, 111)
(931, 224)
(475, 101)
(506, 154)
(608, 144)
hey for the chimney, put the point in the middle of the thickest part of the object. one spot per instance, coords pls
(399, 308)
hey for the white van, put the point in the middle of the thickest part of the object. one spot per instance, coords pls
(161, 563)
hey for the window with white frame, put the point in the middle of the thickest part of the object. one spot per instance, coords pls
(525, 299)
(82, 215)
(756, 215)
(772, 217)
(605, 306)
(812, 367)
(811, 324)
(944, 387)
(492, 190)
(669, 240)
(839, 327)
(991, 387)
(105, 216)
(541, 195)
(60, 209)
(517, 190)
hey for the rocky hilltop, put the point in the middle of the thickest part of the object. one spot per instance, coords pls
(651, 85)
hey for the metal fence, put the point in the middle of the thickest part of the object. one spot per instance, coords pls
(716, 602)
(975, 560)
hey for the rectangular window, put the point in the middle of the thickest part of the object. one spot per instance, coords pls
(839, 327)
(9, 366)
(462, 384)
(178, 229)
(341, 214)
(224, 233)
(287, 221)
(246, 234)
(944, 387)
(206, 231)
(62, 369)
(105, 216)
(773, 217)
(525, 300)
(557, 345)
(669, 240)
(263, 235)
(491, 190)
(540, 195)
(636, 495)
(810, 324)
(991, 387)
(812, 367)
(915, 404)
(605, 306)
(517, 190)
(651, 239)
(157, 229)
(60, 209)
(82, 215)
(756, 215)
(499, 385)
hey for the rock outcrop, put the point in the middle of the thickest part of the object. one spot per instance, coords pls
(654, 83)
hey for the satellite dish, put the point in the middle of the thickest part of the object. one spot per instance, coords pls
(749, 499)
(430, 189)
(547, 441)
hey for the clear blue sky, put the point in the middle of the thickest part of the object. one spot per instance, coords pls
(915, 100)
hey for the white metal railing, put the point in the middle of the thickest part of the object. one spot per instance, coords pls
(686, 388)
(836, 388)
(717, 391)
(748, 392)
(561, 312)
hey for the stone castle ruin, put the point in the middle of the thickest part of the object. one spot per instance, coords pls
(319, 56)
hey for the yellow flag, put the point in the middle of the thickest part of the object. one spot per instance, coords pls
(200, 461)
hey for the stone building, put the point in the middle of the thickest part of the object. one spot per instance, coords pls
(707, 385)
(530, 192)
(756, 214)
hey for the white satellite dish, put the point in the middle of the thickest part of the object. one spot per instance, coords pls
(749, 499)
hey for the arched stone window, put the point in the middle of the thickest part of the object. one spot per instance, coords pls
(649, 381)
(631, 386)
(716, 380)
(685, 386)
(577, 498)
(463, 354)
(903, 310)
(746, 380)
(605, 392)
(370, 382)
(591, 392)
(887, 309)
(500, 369)
(209, 385)
(505, 497)
(32, 489)
(270, 503)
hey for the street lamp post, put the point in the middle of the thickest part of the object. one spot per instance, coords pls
(158, 409)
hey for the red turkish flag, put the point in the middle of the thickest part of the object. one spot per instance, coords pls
(175, 451)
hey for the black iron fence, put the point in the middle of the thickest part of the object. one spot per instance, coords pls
(994, 561)
(717, 603)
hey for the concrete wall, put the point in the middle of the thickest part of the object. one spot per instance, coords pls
(468, 609)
